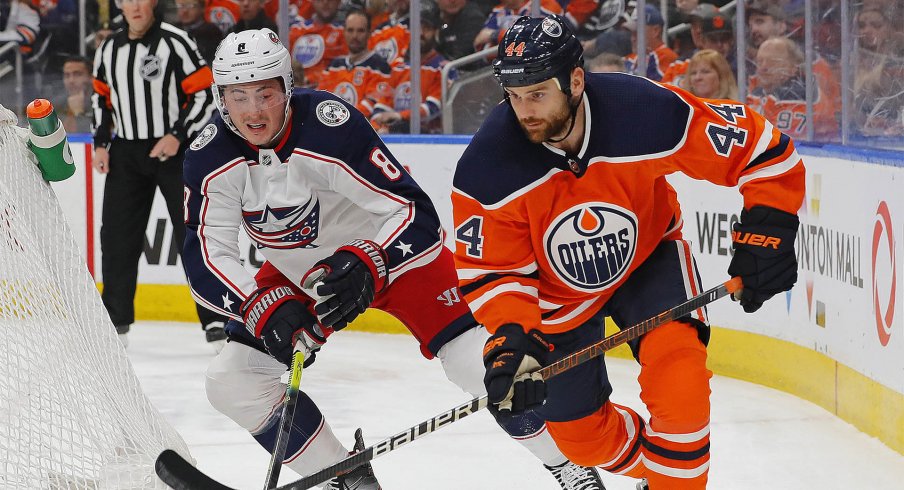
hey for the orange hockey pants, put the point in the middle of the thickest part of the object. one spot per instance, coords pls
(672, 450)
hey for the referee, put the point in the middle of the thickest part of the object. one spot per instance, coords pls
(152, 88)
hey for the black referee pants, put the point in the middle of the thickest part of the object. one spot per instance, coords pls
(128, 197)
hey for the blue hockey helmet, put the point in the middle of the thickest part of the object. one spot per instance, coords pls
(534, 50)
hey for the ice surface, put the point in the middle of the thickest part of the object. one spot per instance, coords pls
(761, 438)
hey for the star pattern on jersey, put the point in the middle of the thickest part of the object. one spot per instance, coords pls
(227, 303)
(284, 228)
(405, 248)
(270, 220)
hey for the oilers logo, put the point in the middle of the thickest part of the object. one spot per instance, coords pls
(221, 17)
(284, 228)
(591, 245)
(347, 91)
(402, 97)
(308, 50)
(387, 49)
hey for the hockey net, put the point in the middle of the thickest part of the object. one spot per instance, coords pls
(72, 413)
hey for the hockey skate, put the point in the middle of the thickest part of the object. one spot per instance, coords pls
(360, 478)
(574, 477)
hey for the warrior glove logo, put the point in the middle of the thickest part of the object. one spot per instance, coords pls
(591, 246)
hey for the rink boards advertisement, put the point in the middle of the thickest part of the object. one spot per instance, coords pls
(846, 305)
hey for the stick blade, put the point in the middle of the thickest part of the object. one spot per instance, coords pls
(179, 474)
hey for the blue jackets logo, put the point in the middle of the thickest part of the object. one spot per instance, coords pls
(283, 228)
(591, 245)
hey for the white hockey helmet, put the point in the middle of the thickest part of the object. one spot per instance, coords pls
(250, 56)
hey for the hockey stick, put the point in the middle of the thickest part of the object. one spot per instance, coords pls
(181, 475)
(288, 414)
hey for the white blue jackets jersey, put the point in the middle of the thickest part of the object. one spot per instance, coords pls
(330, 180)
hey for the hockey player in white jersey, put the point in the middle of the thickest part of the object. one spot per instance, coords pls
(337, 219)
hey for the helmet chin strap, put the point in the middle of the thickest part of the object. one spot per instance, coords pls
(279, 133)
(573, 108)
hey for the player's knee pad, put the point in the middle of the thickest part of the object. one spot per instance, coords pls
(674, 379)
(244, 384)
(462, 360)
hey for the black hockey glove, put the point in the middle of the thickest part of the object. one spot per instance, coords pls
(278, 317)
(347, 281)
(512, 358)
(764, 255)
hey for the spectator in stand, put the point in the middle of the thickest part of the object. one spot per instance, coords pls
(75, 112)
(252, 16)
(765, 19)
(462, 20)
(19, 23)
(191, 20)
(362, 76)
(504, 15)
(680, 12)
(317, 41)
(606, 63)
(659, 56)
(879, 76)
(709, 76)
(393, 112)
(710, 29)
(780, 92)
(390, 39)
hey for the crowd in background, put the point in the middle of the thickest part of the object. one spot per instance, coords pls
(358, 49)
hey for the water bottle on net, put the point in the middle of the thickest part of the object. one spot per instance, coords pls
(47, 140)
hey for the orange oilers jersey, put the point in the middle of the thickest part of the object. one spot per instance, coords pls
(543, 239)
(315, 45)
(399, 99)
(391, 39)
(360, 83)
(786, 108)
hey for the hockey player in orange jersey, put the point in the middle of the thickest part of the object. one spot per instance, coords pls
(362, 76)
(563, 216)
(317, 41)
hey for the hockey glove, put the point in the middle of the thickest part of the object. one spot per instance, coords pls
(347, 281)
(764, 255)
(279, 317)
(512, 358)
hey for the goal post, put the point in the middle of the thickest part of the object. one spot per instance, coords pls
(72, 412)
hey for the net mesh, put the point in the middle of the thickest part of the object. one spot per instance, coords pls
(72, 413)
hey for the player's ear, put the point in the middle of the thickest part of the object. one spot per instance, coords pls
(577, 80)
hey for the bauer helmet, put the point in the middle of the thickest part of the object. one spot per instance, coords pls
(534, 50)
(250, 56)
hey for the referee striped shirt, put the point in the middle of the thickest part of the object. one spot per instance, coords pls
(149, 87)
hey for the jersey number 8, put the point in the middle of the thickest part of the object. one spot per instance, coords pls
(378, 158)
